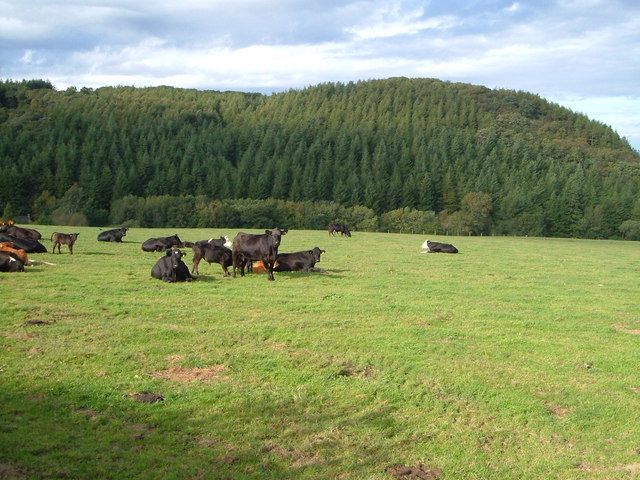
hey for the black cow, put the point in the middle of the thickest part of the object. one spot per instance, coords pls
(9, 262)
(171, 268)
(21, 232)
(114, 235)
(29, 246)
(437, 247)
(339, 228)
(298, 261)
(211, 253)
(248, 247)
(161, 243)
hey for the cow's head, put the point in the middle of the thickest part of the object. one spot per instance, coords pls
(316, 252)
(74, 236)
(124, 230)
(176, 258)
(276, 234)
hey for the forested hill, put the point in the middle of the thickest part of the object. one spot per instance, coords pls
(385, 144)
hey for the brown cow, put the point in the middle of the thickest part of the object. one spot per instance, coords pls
(59, 239)
(18, 252)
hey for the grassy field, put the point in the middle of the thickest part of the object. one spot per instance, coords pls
(517, 358)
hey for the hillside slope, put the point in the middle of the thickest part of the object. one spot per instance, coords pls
(385, 144)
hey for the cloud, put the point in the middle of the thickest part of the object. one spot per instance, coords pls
(558, 49)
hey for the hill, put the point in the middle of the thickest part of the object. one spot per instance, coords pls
(385, 144)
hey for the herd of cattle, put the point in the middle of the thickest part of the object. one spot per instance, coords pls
(253, 252)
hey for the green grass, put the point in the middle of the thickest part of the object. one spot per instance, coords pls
(514, 359)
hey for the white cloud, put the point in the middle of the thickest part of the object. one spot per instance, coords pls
(514, 7)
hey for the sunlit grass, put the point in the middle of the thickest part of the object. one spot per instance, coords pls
(516, 358)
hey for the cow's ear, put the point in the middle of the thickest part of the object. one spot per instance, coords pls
(323, 251)
(268, 232)
(284, 232)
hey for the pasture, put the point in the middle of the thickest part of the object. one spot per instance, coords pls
(517, 358)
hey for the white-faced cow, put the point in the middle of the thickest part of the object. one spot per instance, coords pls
(248, 247)
(9, 262)
(171, 268)
(437, 247)
(114, 235)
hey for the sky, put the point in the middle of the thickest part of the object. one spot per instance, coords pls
(584, 55)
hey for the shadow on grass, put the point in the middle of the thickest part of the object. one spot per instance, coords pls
(95, 253)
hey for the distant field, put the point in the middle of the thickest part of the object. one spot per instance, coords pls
(517, 358)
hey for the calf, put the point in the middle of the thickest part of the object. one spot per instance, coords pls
(437, 247)
(161, 243)
(212, 254)
(59, 239)
(114, 235)
(248, 247)
(171, 268)
(20, 232)
(10, 263)
(29, 246)
(298, 261)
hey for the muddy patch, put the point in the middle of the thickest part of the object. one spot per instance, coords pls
(139, 431)
(145, 397)
(10, 472)
(419, 472)
(188, 375)
(38, 321)
(356, 372)
(88, 413)
(298, 458)
(173, 359)
(559, 411)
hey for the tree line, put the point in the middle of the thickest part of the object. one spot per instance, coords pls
(470, 159)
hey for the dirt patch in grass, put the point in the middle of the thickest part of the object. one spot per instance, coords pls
(187, 375)
(357, 372)
(558, 411)
(419, 472)
(139, 430)
(88, 413)
(298, 458)
(173, 359)
(630, 331)
(10, 472)
(20, 335)
(145, 397)
(38, 321)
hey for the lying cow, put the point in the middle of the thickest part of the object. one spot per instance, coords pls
(18, 252)
(59, 239)
(248, 247)
(161, 243)
(171, 268)
(29, 246)
(21, 232)
(298, 261)
(114, 235)
(437, 247)
(211, 253)
(10, 263)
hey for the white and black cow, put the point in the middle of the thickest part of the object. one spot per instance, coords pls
(436, 247)
(9, 262)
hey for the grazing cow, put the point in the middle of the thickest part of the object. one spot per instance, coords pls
(18, 252)
(59, 239)
(298, 261)
(10, 263)
(29, 246)
(161, 243)
(171, 268)
(212, 254)
(248, 247)
(20, 232)
(340, 228)
(437, 247)
(114, 235)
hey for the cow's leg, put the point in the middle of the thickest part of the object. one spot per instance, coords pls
(196, 262)
(71, 248)
(225, 270)
(234, 262)
(269, 266)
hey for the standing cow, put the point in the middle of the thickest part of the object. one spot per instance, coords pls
(247, 247)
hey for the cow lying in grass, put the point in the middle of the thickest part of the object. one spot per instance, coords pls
(161, 243)
(9, 262)
(29, 246)
(18, 252)
(292, 262)
(171, 268)
(113, 235)
(437, 247)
